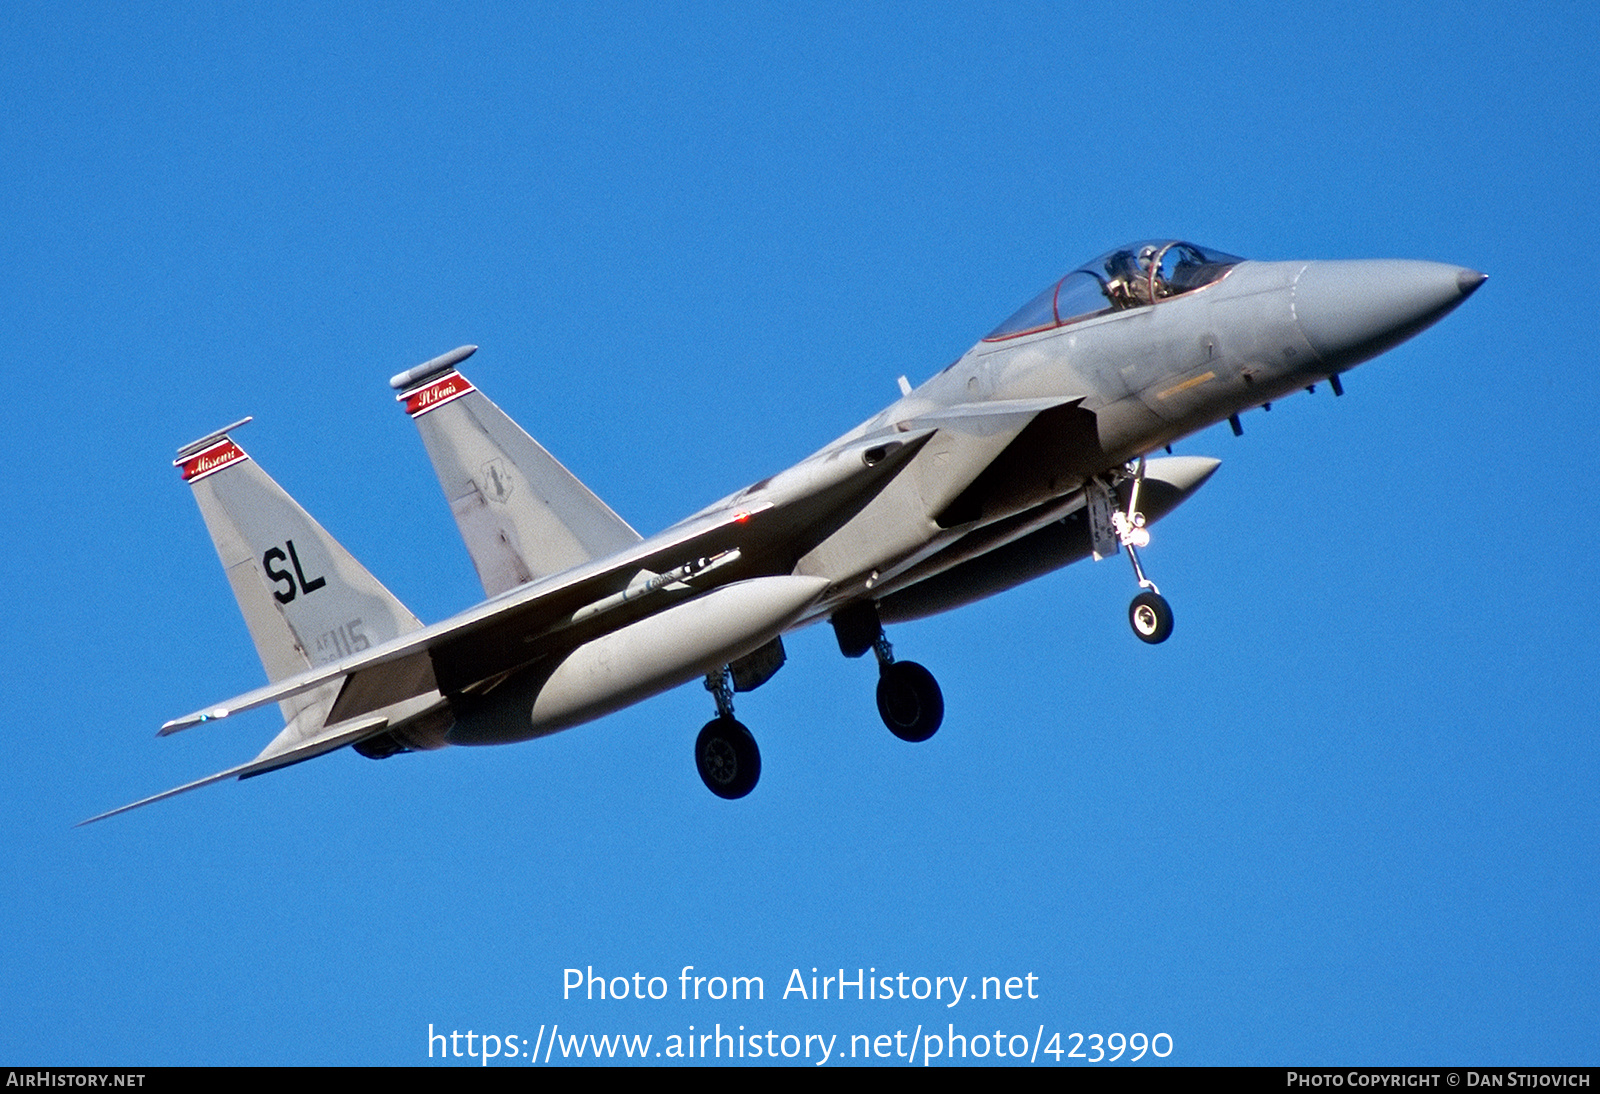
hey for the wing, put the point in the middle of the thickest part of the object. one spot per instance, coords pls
(758, 531)
(754, 533)
(326, 741)
(283, 565)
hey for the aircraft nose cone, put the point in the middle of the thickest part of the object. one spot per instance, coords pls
(1353, 311)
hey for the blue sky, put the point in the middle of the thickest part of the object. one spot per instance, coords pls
(1346, 815)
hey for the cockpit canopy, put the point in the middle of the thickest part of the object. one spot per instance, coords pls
(1132, 276)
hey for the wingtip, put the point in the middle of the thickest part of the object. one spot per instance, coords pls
(189, 721)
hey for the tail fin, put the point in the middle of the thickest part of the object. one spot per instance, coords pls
(521, 514)
(306, 600)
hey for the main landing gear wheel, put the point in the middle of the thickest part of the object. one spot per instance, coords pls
(1151, 617)
(909, 701)
(728, 759)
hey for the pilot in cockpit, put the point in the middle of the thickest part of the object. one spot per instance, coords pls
(1129, 280)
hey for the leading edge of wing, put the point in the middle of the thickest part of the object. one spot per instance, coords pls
(317, 746)
(631, 560)
(997, 410)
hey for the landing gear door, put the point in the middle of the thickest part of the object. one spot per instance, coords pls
(1102, 531)
(754, 669)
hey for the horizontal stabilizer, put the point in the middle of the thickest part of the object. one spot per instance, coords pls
(334, 738)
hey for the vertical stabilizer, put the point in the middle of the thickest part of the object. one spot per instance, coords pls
(521, 514)
(306, 600)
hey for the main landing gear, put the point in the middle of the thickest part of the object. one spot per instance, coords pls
(1149, 614)
(725, 752)
(909, 700)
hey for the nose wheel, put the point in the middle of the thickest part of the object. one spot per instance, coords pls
(1151, 617)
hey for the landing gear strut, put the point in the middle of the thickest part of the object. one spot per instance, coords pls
(909, 700)
(1149, 614)
(725, 753)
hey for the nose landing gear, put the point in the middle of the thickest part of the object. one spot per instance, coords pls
(1149, 614)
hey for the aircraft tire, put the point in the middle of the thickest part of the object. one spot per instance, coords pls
(909, 701)
(727, 757)
(1151, 617)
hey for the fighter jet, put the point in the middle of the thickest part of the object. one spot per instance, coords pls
(1033, 450)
